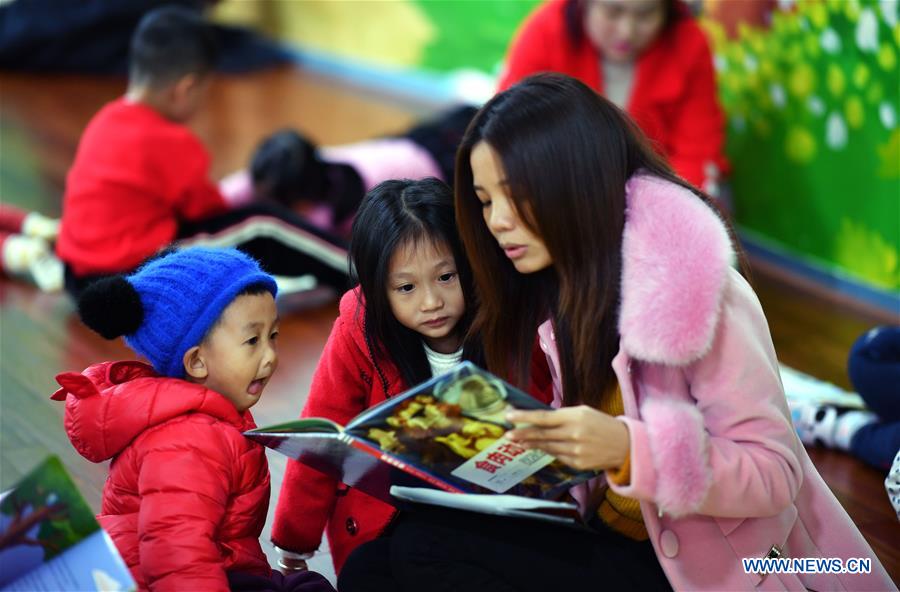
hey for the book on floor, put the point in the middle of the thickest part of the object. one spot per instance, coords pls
(446, 434)
(50, 539)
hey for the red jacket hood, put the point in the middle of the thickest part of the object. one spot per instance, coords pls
(353, 310)
(110, 404)
(352, 313)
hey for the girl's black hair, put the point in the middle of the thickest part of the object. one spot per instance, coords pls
(574, 16)
(393, 214)
(286, 168)
(283, 165)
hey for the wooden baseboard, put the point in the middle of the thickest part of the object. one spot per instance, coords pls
(764, 269)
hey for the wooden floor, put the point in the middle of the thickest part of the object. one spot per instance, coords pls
(41, 119)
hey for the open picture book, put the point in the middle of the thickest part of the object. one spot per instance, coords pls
(50, 539)
(434, 442)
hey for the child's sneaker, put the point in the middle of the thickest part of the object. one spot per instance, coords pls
(827, 425)
(20, 251)
(296, 294)
(848, 424)
(294, 284)
(48, 272)
(40, 226)
(814, 423)
(31, 258)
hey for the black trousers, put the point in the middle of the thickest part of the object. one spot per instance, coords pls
(283, 243)
(439, 549)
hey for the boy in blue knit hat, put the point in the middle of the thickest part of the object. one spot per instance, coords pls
(187, 494)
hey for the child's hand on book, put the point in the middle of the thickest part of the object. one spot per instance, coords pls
(581, 437)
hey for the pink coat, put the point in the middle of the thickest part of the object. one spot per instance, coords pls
(715, 461)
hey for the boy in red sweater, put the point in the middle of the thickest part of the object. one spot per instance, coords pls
(140, 180)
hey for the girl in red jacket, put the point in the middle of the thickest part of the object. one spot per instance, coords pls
(187, 494)
(404, 322)
(648, 57)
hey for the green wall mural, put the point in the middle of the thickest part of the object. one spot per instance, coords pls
(813, 106)
(472, 34)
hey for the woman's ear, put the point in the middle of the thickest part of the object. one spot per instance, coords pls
(194, 364)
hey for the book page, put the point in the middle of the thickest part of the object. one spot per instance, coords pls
(474, 500)
(501, 505)
(452, 426)
(298, 426)
(93, 564)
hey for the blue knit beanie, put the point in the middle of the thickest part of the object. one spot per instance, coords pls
(181, 296)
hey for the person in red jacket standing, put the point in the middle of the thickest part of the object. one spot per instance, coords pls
(140, 179)
(404, 323)
(648, 57)
(187, 493)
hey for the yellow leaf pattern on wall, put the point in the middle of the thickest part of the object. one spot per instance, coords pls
(853, 110)
(887, 57)
(889, 154)
(820, 114)
(390, 33)
(867, 254)
(802, 81)
(836, 80)
(800, 145)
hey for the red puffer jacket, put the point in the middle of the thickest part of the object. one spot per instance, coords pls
(187, 493)
(348, 381)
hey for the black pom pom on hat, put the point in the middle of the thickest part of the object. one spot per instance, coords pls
(111, 307)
